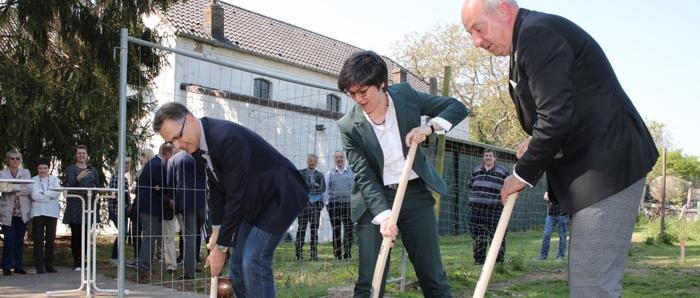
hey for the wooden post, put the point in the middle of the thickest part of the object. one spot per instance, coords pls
(440, 154)
(662, 228)
(682, 244)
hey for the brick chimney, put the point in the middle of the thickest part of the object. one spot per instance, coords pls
(213, 22)
(399, 76)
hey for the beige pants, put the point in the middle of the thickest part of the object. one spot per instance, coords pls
(170, 228)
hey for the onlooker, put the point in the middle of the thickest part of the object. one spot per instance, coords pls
(145, 155)
(15, 208)
(338, 198)
(79, 174)
(150, 207)
(485, 203)
(555, 217)
(45, 210)
(189, 184)
(113, 204)
(312, 212)
(169, 225)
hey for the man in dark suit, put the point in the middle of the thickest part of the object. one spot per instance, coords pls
(254, 193)
(188, 182)
(149, 204)
(376, 135)
(586, 133)
(311, 214)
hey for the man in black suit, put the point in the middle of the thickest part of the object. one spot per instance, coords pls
(585, 133)
(254, 193)
(187, 180)
(149, 205)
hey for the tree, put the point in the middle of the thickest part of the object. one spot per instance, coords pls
(59, 77)
(661, 135)
(480, 80)
(678, 164)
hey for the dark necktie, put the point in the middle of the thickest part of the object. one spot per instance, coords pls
(209, 165)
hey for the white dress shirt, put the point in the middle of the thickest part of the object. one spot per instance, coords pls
(391, 143)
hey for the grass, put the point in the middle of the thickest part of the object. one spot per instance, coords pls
(653, 268)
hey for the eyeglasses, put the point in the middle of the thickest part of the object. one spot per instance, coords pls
(179, 135)
(15, 158)
(361, 92)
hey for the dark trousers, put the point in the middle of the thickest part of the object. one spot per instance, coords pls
(339, 213)
(200, 221)
(44, 233)
(309, 216)
(135, 235)
(483, 222)
(418, 230)
(151, 227)
(190, 236)
(114, 217)
(77, 240)
(13, 251)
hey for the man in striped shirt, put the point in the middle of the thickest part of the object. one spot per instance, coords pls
(485, 204)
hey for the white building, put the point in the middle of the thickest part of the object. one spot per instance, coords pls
(296, 119)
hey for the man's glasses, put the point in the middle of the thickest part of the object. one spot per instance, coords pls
(361, 92)
(179, 135)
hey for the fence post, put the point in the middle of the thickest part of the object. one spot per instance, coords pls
(662, 228)
(440, 154)
(123, 60)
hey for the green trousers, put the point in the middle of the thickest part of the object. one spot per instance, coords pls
(418, 229)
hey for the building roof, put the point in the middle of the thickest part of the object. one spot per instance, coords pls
(261, 35)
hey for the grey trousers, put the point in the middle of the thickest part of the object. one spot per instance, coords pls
(600, 240)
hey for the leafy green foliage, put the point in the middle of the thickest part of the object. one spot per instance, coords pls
(480, 80)
(59, 77)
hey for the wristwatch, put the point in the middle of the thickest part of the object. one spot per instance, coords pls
(221, 248)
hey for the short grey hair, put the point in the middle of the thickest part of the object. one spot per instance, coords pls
(173, 110)
(491, 4)
(12, 152)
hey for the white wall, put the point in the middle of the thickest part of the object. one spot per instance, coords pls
(292, 133)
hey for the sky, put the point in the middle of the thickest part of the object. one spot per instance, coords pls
(652, 45)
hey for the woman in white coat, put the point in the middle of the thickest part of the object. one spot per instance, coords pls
(45, 209)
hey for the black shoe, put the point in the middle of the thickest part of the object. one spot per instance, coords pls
(20, 271)
(188, 277)
(6, 272)
(40, 270)
(50, 269)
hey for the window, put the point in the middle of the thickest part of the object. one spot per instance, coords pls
(261, 89)
(333, 103)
